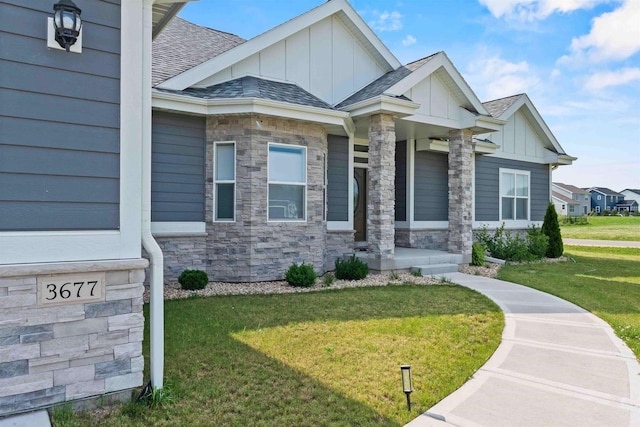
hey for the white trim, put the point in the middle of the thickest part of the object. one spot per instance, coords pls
(473, 187)
(411, 160)
(177, 228)
(339, 226)
(515, 173)
(304, 185)
(382, 104)
(215, 181)
(549, 159)
(350, 180)
(191, 77)
(431, 225)
(508, 225)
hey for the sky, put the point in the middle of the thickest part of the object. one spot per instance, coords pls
(578, 60)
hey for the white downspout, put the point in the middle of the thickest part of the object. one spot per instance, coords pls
(156, 277)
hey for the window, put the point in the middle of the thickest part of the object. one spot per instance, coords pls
(224, 157)
(514, 194)
(599, 197)
(598, 209)
(563, 207)
(287, 166)
(572, 209)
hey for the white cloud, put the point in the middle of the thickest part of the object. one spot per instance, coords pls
(530, 10)
(409, 40)
(386, 21)
(613, 36)
(612, 78)
(495, 77)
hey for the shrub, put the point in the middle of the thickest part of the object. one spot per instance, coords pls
(300, 275)
(351, 269)
(537, 242)
(477, 254)
(193, 279)
(327, 279)
(511, 247)
(551, 229)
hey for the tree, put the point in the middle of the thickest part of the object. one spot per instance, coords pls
(551, 227)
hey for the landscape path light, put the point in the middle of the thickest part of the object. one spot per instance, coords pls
(407, 386)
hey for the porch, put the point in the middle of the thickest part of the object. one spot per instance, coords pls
(427, 261)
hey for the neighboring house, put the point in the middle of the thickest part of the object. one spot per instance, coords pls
(72, 126)
(631, 194)
(578, 203)
(604, 199)
(627, 205)
(312, 139)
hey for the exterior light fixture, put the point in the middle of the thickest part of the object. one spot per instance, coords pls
(67, 23)
(407, 386)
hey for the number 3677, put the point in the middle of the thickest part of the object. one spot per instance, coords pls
(73, 290)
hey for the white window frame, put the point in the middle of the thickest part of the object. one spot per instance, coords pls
(223, 181)
(597, 209)
(515, 172)
(599, 197)
(305, 186)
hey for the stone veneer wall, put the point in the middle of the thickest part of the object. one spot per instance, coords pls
(338, 244)
(436, 239)
(460, 193)
(56, 353)
(181, 253)
(251, 248)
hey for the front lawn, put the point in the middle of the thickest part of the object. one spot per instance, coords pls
(605, 281)
(328, 358)
(625, 228)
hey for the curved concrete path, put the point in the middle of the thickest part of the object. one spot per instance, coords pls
(557, 365)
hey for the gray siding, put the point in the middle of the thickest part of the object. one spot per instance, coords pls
(338, 178)
(401, 181)
(59, 121)
(488, 187)
(178, 167)
(431, 192)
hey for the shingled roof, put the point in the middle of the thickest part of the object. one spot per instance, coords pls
(183, 45)
(571, 188)
(605, 190)
(254, 87)
(564, 198)
(498, 106)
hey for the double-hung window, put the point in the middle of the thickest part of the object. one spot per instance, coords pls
(514, 194)
(287, 166)
(224, 176)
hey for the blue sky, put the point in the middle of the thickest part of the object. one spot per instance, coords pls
(578, 60)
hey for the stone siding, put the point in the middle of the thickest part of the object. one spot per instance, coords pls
(50, 354)
(338, 243)
(181, 253)
(251, 248)
(460, 193)
(436, 239)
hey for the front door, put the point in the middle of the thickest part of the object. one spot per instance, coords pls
(360, 204)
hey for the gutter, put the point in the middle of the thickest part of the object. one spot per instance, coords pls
(156, 260)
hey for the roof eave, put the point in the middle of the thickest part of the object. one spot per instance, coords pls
(382, 104)
(163, 13)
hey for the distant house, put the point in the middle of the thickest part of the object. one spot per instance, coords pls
(631, 194)
(627, 205)
(570, 200)
(604, 199)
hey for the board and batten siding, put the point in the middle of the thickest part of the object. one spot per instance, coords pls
(431, 191)
(178, 168)
(325, 59)
(338, 178)
(401, 181)
(59, 121)
(487, 187)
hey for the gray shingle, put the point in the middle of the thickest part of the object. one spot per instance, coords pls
(499, 106)
(253, 87)
(183, 45)
(377, 87)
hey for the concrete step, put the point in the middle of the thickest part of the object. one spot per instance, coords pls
(432, 269)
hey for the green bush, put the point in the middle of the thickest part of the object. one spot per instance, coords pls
(537, 242)
(351, 269)
(300, 275)
(551, 229)
(327, 280)
(477, 254)
(193, 279)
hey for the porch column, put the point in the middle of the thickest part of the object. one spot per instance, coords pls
(381, 191)
(460, 193)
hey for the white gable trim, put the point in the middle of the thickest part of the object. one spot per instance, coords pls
(440, 60)
(200, 72)
(382, 104)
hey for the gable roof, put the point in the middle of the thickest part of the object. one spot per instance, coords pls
(498, 106)
(605, 190)
(377, 87)
(254, 87)
(564, 198)
(629, 202)
(183, 45)
(341, 8)
(571, 188)
(633, 190)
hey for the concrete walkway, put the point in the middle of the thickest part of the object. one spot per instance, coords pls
(558, 365)
(605, 243)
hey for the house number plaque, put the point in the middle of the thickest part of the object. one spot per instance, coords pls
(70, 288)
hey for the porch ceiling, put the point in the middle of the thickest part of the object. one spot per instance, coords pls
(406, 130)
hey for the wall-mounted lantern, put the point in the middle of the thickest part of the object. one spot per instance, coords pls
(67, 23)
(407, 386)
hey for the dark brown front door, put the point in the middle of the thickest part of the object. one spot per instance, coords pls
(360, 203)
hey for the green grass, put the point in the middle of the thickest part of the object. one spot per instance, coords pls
(605, 281)
(328, 358)
(625, 228)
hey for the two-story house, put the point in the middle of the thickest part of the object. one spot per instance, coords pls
(604, 199)
(570, 200)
